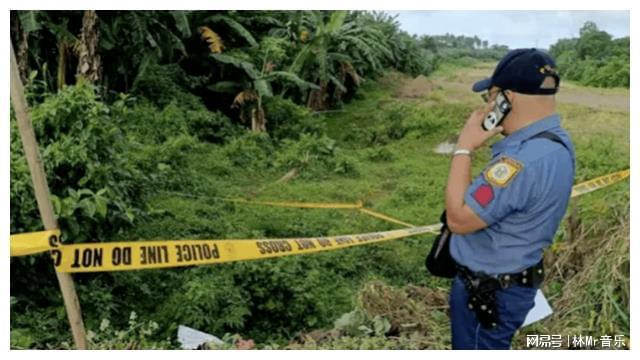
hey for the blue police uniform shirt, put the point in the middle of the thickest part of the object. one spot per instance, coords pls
(522, 195)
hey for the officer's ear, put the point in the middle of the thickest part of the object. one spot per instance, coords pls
(510, 95)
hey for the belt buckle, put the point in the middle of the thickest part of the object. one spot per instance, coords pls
(504, 281)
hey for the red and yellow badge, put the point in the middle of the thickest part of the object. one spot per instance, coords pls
(502, 172)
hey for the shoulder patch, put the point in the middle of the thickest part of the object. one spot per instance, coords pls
(502, 172)
(483, 195)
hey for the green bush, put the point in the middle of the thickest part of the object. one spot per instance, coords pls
(164, 84)
(147, 123)
(95, 189)
(308, 153)
(379, 154)
(207, 299)
(250, 150)
(287, 120)
(137, 335)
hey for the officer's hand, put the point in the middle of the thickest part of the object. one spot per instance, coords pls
(473, 135)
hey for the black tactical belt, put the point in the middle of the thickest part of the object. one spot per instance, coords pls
(482, 289)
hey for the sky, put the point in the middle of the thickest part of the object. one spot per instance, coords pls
(515, 29)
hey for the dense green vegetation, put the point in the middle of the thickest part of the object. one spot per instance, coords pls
(594, 58)
(140, 150)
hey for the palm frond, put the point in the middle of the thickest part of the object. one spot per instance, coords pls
(182, 22)
(263, 87)
(337, 83)
(29, 21)
(336, 20)
(228, 87)
(291, 77)
(303, 55)
(248, 67)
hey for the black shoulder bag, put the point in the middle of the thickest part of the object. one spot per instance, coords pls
(439, 261)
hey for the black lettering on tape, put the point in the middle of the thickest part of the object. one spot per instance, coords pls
(56, 255)
(344, 240)
(187, 253)
(126, 255)
(304, 244)
(76, 259)
(324, 242)
(143, 256)
(200, 254)
(88, 258)
(164, 253)
(206, 252)
(261, 248)
(54, 241)
(367, 237)
(154, 255)
(273, 246)
(214, 252)
(178, 254)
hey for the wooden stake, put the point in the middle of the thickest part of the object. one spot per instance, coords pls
(41, 189)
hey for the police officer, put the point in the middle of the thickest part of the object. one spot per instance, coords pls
(504, 219)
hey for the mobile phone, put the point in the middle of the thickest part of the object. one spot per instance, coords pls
(501, 109)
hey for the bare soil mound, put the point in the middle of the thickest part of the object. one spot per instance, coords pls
(415, 88)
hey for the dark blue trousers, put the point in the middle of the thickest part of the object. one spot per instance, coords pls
(514, 303)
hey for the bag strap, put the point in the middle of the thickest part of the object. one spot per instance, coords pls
(553, 137)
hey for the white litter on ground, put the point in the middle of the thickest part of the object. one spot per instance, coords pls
(445, 148)
(190, 339)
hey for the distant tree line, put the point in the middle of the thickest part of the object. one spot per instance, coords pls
(594, 58)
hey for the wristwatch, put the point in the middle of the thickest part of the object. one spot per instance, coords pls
(462, 152)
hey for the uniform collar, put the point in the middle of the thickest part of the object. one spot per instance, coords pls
(526, 132)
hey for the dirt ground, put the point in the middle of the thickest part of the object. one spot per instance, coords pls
(617, 101)
(415, 88)
(458, 86)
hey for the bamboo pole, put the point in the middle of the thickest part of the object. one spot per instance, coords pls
(41, 189)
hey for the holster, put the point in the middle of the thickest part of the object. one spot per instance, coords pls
(482, 290)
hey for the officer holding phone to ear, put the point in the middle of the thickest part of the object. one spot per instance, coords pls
(502, 220)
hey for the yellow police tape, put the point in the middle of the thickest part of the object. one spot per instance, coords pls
(137, 255)
(359, 206)
(303, 205)
(599, 182)
(384, 217)
(119, 256)
(34, 242)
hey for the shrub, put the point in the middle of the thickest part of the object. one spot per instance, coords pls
(307, 152)
(164, 84)
(96, 190)
(250, 150)
(285, 119)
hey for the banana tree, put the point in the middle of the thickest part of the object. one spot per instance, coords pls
(255, 85)
(342, 45)
(130, 41)
(32, 22)
(87, 49)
